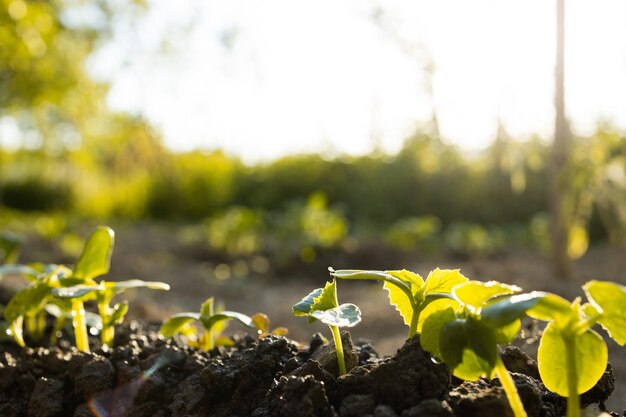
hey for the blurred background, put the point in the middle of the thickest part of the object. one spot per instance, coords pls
(240, 148)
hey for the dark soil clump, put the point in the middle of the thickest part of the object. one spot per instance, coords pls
(147, 376)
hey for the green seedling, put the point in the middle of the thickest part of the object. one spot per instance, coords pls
(408, 292)
(46, 282)
(465, 328)
(262, 323)
(104, 293)
(322, 304)
(212, 321)
(570, 344)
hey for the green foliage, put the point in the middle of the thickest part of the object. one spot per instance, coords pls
(570, 344)
(104, 293)
(67, 289)
(237, 231)
(213, 323)
(408, 292)
(322, 304)
(414, 233)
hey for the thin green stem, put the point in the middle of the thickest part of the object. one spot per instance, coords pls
(80, 325)
(414, 320)
(339, 348)
(573, 400)
(509, 388)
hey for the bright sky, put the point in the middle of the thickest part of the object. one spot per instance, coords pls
(264, 78)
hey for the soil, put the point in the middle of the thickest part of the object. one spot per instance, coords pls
(148, 375)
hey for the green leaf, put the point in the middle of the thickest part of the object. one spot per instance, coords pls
(16, 269)
(96, 256)
(119, 312)
(177, 322)
(507, 333)
(443, 280)
(509, 309)
(227, 315)
(120, 286)
(431, 328)
(476, 293)
(413, 280)
(304, 306)
(609, 299)
(26, 302)
(469, 349)
(358, 274)
(551, 307)
(434, 306)
(591, 357)
(400, 300)
(76, 291)
(319, 299)
(345, 315)
(207, 309)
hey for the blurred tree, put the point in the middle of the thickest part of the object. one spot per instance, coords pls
(559, 227)
(44, 85)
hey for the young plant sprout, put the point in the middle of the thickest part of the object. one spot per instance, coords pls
(262, 323)
(408, 292)
(212, 321)
(104, 293)
(68, 289)
(465, 328)
(569, 343)
(322, 304)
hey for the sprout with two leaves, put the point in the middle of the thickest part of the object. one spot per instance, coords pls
(569, 343)
(213, 321)
(322, 304)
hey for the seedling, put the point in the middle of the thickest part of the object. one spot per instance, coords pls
(104, 293)
(212, 321)
(465, 328)
(262, 323)
(68, 289)
(322, 304)
(408, 292)
(569, 343)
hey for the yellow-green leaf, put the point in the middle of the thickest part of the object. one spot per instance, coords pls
(591, 356)
(443, 280)
(400, 300)
(96, 256)
(609, 299)
(476, 293)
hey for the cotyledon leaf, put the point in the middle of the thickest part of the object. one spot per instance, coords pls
(476, 293)
(509, 309)
(176, 322)
(345, 315)
(591, 356)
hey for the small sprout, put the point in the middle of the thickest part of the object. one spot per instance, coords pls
(262, 323)
(408, 292)
(212, 321)
(569, 343)
(322, 304)
(104, 293)
(465, 329)
(68, 289)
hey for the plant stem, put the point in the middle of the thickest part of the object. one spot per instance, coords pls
(209, 343)
(414, 320)
(80, 326)
(573, 400)
(108, 335)
(339, 348)
(509, 388)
